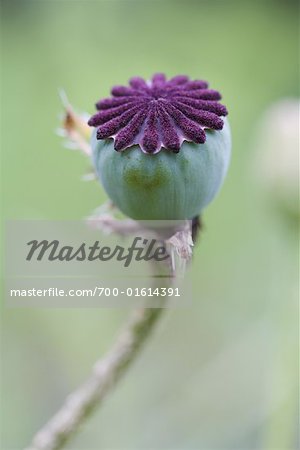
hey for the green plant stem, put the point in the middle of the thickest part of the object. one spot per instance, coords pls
(108, 370)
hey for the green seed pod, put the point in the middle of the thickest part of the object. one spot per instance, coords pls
(161, 149)
(166, 185)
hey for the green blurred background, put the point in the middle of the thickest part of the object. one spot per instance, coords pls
(223, 373)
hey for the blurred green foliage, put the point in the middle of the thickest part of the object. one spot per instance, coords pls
(243, 268)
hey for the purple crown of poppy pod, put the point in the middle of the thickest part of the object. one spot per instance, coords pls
(158, 113)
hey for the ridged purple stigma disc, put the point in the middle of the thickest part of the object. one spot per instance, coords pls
(158, 113)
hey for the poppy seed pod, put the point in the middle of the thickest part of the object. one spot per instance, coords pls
(161, 148)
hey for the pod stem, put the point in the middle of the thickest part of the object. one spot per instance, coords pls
(81, 403)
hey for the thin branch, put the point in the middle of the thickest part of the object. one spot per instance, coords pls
(107, 371)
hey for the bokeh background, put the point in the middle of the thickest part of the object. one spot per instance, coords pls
(221, 374)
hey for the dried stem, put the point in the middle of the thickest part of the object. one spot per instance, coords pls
(108, 370)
